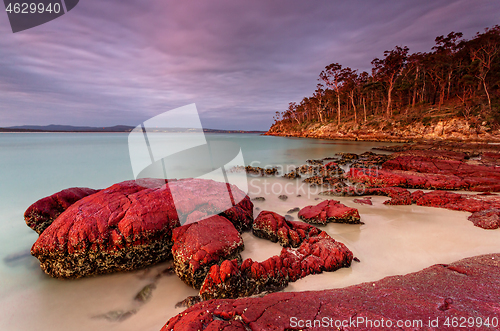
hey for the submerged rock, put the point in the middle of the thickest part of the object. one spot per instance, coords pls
(364, 201)
(117, 315)
(145, 294)
(42, 213)
(437, 292)
(329, 211)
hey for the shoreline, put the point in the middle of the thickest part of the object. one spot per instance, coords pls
(384, 138)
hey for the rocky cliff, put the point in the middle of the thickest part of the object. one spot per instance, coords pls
(458, 129)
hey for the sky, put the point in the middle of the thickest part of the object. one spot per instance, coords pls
(121, 62)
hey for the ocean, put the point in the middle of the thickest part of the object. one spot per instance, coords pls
(393, 239)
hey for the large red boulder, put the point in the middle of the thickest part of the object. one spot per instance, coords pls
(437, 298)
(124, 227)
(329, 211)
(198, 246)
(42, 213)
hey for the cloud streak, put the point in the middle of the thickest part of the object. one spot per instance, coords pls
(121, 62)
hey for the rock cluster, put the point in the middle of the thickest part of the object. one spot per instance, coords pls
(316, 252)
(261, 171)
(444, 170)
(483, 206)
(470, 287)
(129, 226)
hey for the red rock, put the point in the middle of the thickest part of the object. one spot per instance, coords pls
(455, 201)
(364, 201)
(274, 227)
(437, 154)
(453, 169)
(124, 227)
(486, 219)
(415, 196)
(315, 255)
(329, 211)
(490, 158)
(467, 288)
(375, 178)
(483, 207)
(241, 215)
(43, 212)
(198, 246)
(398, 195)
(431, 169)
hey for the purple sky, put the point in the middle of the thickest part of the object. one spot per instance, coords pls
(121, 61)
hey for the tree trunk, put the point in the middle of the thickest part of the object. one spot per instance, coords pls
(338, 109)
(354, 107)
(414, 98)
(389, 100)
(441, 97)
(487, 94)
(364, 109)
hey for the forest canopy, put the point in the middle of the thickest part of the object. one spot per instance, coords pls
(457, 75)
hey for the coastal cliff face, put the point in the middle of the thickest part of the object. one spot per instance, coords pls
(458, 129)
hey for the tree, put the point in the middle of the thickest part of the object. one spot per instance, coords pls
(332, 76)
(318, 95)
(291, 112)
(388, 69)
(351, 84)
(442, 61)
(362, 82)
(484, 49)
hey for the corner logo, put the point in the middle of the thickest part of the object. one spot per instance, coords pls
(173, 145)
(26, 14)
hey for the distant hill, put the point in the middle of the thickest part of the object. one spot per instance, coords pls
(68, 128)
(116, 128)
